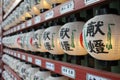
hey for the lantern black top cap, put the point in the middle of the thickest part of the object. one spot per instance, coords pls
(106, 10)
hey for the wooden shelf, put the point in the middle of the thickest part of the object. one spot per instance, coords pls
(12, 72)
(61, 10)
(70, 70)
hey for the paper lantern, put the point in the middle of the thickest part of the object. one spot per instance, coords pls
(23, 69)
(18, 65)
(37, 41)
(57, 78)
(28, 41)
(41, 75)
(21, 40)
(24, 41)
(15, 62)
(51, 40)
(15, 37)
(30, 73)
(101, 37)
(71, 39)
(44, 6)
(17, 40)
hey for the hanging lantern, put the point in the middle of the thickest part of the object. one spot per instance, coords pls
(15, 62)
(23, 69)
(30, 72)
(51, 40)
(55, 2)
(57, 78)
(18, 65)
(43, 6)
(41, 75)
(37, 41)
(71, 40)
(17, 41)
(22, 41)
(28, 41)
(101, 37)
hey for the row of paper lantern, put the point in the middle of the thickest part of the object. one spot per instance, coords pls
(99, 36)
(28, 72)
(28, 9)
(8, 75)
(55, 39)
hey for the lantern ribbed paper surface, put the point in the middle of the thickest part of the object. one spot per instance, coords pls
(101, 37)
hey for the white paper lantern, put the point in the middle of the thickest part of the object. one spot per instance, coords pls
(30, 72)
(18, 41)
(57, 78)
(18, 65)
(37, 41)
(101, 37)
(30, 40)
(26, 39)
(41, 75)
(15, 62)
(51, 40)
(71, 39)
(23, 68)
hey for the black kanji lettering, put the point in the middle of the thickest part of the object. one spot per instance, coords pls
(66, 46)
(91, 47)
(99, 46)
(90, 29)
(48, 46)
(63, 33)
(98, 25)
(46, 36)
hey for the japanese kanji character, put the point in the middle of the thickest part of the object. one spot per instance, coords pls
(91, 47)
(63, 33)
(48, 46)
(98, 25)
(90, 29)
(46, 35)
(66, 46)
(99, 46)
